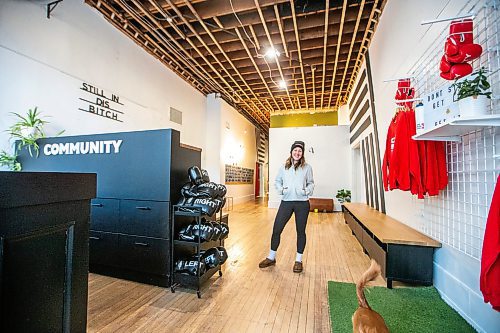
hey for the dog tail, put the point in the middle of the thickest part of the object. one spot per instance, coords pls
(372, 272)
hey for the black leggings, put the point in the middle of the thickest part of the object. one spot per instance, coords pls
(301, 210)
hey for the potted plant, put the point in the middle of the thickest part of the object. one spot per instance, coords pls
(472, 94)
(343, 195)
(9, 161)
(25, 131)
(28, 129)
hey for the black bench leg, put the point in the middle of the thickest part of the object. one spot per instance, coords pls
(389, 283)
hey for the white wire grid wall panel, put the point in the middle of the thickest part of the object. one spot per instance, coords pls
(457, 216)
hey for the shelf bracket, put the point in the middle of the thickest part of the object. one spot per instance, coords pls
(51, 6)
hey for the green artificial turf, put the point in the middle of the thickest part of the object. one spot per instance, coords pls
(405, 310)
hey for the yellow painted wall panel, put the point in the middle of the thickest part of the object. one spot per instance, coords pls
(305, 120)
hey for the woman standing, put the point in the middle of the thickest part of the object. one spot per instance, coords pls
(295, 182)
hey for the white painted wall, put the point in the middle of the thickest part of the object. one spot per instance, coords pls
(44, 62)
(213, 157)
(239, 135)
(398, 43)
(330, 161)
(228, 133)
(343, 115)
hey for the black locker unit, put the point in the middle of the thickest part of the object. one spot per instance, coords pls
(44, 229)
(139, 177)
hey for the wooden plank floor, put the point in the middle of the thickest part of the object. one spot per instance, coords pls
(245, 298)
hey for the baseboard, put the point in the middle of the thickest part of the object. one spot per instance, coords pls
(450, 281)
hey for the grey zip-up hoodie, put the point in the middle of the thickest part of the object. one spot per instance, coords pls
(295, 185)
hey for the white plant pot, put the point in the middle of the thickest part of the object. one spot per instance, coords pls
(30, 132)
(474, 106)
(27, 132)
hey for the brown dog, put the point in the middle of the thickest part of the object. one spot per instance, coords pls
(365, 320)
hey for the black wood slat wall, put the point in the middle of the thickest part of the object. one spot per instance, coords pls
(364, 135)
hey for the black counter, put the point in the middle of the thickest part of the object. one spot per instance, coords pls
(44, 228)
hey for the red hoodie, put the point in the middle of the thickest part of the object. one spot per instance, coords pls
(416, 185)
(395, 167)
(490, 260)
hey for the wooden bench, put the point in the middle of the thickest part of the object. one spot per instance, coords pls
(403, 253)
(322, 205)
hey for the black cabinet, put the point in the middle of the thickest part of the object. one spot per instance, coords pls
(104, 214)
(146, 254)
(147, 218)
(103, 248)
(139, 177)
(44, 228)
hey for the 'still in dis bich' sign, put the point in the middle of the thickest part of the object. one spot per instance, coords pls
(97, 102)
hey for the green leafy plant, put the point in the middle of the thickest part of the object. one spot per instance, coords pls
(10, 161)
(479, 85)
(343, 195)
(28, 129)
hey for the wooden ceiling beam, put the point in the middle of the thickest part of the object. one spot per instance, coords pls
(257, 68)
(288, 35)
(308, 45)
(344, 7)
(259, 89)
(193, 10)
(111, 15)
(297, 40)
(170, 47)
(245, 67)
(280, 26)
(209, 9)
(221, 89)
(218, 74)
(204, 42)
(277, 60)
(253, 83)
(166, 16)
(310, 21)
(255, 39)
(365, 44)
(253, 77)
(361, 7)
(325, 46)
(308, 54)
(307, 20)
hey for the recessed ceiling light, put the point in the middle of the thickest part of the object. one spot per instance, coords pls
(282, 84)
(169, 19)
(272, 53)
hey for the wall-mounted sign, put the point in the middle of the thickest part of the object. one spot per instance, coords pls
(237, 175)
(439, 107)
(100, 103)
(82, 147)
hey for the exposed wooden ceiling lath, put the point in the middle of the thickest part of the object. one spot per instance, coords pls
(218, 46)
